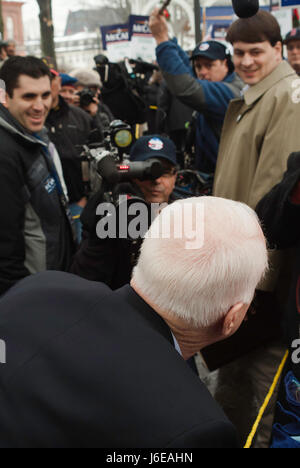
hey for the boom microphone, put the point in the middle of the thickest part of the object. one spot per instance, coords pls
(245, 8)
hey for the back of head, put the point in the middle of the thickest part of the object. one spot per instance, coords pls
(200, 257)
(14, 67)
(258, 28)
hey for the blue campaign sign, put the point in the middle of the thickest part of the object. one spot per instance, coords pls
(139, 26)
(114, 33)
(290, 3)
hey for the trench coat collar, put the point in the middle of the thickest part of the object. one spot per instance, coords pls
(253, 93)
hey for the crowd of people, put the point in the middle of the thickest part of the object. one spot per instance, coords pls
(98, 328)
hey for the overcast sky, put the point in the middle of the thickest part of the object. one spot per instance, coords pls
(61, 8)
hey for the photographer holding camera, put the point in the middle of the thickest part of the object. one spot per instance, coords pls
(111, 260)
(88, 97)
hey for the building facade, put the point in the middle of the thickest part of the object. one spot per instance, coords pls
(13, 24)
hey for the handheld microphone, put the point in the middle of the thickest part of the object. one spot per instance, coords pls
(245, 8)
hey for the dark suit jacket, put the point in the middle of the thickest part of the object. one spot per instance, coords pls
(89, 367)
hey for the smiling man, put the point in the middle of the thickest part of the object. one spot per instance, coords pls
(261, 128)
(260, 131)
(35, 234)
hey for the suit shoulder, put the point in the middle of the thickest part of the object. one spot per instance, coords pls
(53, 286)
(211, 434)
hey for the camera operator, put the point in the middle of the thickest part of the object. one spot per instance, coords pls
(69, 128)
(207, 89)
(89, 103)
(111, 260)
(88, 97)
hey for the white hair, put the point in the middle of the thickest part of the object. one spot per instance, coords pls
(201, 284)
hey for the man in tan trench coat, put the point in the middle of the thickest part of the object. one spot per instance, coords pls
(260, 131)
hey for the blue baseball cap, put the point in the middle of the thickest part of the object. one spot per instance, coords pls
(154, 146)
(67, 80)
(212, 50)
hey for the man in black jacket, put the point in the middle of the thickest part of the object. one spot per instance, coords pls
(91, 367)
(35, 230)
(280, 212)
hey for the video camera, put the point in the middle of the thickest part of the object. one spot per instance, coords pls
(107, 164)
(123, 90)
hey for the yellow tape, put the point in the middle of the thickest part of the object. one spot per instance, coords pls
(267, 401)
(137, 131)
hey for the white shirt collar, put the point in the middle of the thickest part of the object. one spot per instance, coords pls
(176, 344)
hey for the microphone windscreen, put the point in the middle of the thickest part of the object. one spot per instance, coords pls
(245, 8)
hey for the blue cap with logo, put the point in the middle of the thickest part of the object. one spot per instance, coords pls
(154, 146)
(212, 50)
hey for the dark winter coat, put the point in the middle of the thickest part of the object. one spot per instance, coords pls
(69, 128)
(281, 220)
(35, 233)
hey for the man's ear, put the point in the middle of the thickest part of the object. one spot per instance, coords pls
(279, 49)
(234, 319)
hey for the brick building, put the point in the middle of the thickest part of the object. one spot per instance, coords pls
(13, 24)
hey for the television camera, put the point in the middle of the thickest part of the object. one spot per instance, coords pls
(107, 164)
(125, 87)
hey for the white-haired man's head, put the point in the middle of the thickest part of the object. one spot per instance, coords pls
(200, 258)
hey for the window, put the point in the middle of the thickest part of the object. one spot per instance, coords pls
(10, 29)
